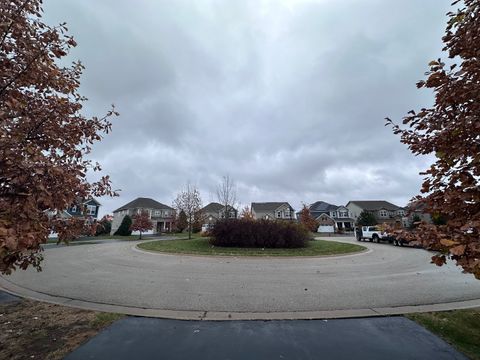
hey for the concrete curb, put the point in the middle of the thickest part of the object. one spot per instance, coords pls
(222, 316)
(258, 257)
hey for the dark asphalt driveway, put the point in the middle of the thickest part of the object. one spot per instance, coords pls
(7, 298)
(369, 338)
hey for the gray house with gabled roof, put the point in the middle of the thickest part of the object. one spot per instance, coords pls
(215, 211)
(331, 218)
(161, 215)
(272, 211)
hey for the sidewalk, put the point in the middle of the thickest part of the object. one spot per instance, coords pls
(366, 338)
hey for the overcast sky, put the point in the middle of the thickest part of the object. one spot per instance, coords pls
(287, 97)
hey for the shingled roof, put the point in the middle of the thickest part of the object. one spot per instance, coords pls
(373, 205)
(322, 206)
(268, 206)
(144, 203)
(212, 207)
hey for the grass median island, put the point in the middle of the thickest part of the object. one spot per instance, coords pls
(201, 246)
(460, 328)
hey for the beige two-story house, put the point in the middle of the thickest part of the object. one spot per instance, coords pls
(272, 211)
(384, 211)
(161, 215)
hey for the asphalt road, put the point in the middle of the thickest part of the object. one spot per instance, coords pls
(115, 273)
(375, 338)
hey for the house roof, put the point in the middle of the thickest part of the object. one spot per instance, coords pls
(336, 219)
(212, 207)
(416, 206)
(145, 203)
(89, 200)
(322, 206)
(373, 205)
(215, 207)
(84, 201)
(268, 206)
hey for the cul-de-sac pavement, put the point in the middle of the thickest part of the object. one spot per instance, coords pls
(116, 276)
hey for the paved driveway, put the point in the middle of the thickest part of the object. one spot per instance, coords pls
(213, 287)
(370, 339)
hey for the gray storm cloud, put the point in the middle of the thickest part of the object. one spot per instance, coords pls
(287, 97)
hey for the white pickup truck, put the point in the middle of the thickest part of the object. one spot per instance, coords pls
(373, 233)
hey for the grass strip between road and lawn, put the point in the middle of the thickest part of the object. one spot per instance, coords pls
(36, 330)
(201, 246)
(460, 328)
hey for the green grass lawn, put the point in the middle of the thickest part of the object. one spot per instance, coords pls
(461, 328)
(201, 246)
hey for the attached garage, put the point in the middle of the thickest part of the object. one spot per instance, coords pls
(326, 229)
(325, 224)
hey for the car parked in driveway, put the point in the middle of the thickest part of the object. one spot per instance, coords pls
(206, 228)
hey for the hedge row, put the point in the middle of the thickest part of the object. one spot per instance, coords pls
(259, 233)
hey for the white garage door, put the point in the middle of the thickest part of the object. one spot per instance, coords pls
(325, 229)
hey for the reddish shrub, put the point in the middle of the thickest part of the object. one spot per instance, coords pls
(260, 234)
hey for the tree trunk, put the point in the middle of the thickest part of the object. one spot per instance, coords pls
(140, 238)
(190, 228)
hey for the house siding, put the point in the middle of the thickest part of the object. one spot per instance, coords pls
(354, 210)
(160, 218)
(273, 213)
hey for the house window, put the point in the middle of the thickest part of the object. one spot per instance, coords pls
(334, 214)
(232, 215)
(383, 213)
(401, 212)
(287, 213)
(343, 214)
(157, 212)
(74, 208)
(91, 209)
(279, 214)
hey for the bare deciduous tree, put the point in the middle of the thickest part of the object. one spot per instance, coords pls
(227, 195)
(190, 202)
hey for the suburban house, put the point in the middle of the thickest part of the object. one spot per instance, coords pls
(215, 211)
(331, 218)
(162, 216)
(417, 209)
(384, 211)
(87, 209)
(272, 210)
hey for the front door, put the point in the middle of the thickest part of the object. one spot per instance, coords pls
(160, 227)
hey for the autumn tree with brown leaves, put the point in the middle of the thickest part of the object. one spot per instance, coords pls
(307, 219)
(43, 135)
(450, 130)
(246, 213)
(142, 223)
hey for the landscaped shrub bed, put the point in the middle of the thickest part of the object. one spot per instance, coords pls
(259, 234)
